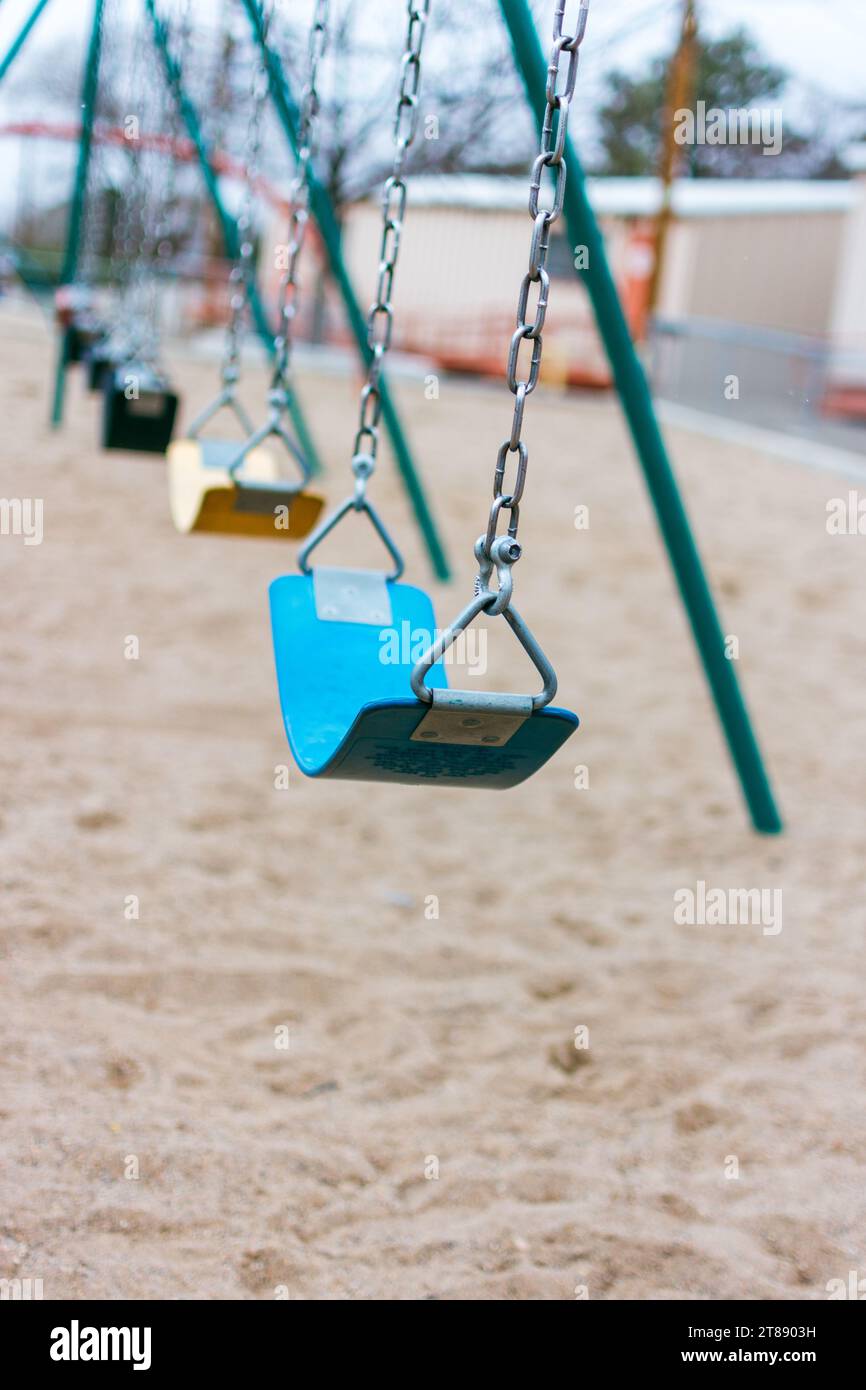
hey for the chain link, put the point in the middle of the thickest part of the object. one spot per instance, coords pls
(299, 204)
(530, 319)
(380, 319)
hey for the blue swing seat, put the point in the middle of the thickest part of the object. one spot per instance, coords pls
(350, 713)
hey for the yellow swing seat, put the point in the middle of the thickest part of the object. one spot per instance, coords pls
(204, 495)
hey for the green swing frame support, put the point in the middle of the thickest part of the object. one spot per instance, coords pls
(21, 38)
(329, 231)
(89, 87)
(636, 400)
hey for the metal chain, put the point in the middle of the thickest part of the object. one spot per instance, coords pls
(153, 192)
(128, 209)
(242, 271)
(95, 202)
(530, 319)
(156, 247)
(380, 319)
(173, 130)
(115, 214)
(132, 334)
(299, 206)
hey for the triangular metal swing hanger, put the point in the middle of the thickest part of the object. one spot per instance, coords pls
(272, 427)
(226, 400)
(485, 601)
(354, 503)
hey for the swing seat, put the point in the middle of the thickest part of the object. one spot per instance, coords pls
(143, 423)
(348, 707)
(80, 338)
(204, 496)
(100, 364)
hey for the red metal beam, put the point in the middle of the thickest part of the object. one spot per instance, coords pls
(177, 147)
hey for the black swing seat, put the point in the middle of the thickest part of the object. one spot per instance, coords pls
(80, 338)
(100, 361)
(140, 410)
(349, 709)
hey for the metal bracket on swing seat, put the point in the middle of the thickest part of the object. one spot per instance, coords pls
(263, 498)
(470, 717)
(351, 596)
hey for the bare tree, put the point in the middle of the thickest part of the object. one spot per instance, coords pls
(471, 96)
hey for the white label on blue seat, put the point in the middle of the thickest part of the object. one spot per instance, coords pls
(351, 596)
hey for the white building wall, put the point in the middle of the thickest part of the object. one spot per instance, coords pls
(790, 257)
(848, 308)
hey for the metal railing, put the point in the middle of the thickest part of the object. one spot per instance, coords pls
(769, 378)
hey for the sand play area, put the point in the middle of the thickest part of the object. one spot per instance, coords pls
(430, 1130)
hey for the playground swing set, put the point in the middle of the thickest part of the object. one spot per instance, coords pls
(121, 352)
(139, 405)
(348, 714)
(217, 484)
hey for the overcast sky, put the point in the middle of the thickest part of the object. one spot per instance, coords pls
(821, 42)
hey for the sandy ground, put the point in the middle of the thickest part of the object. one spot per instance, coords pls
(413, 1043)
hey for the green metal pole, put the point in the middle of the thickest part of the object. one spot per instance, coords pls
(634, 393)
(88, 107)
(21, 38)
(329, 230)
(228, 225)
(79, 193)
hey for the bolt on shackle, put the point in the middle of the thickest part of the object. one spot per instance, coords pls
(363, 467)
(501, 555)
